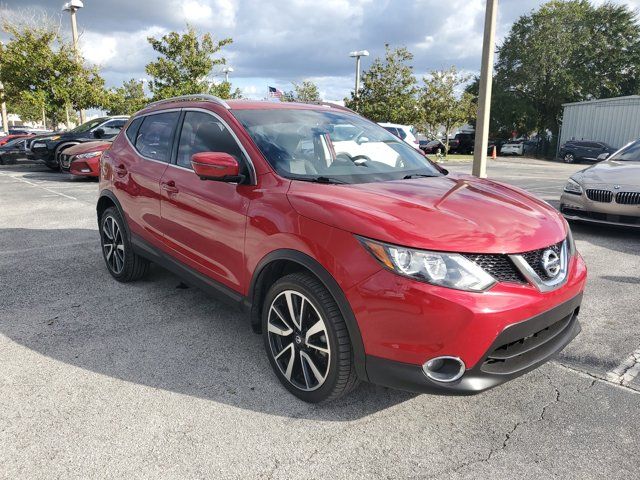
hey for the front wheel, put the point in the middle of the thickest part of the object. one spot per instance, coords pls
(569, 158)
(306, 339)
(122, 262)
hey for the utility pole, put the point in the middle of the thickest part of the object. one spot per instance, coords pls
(484, 96)
(5, 118)
(72, 7)
(357, 55)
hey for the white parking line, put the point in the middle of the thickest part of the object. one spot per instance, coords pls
(37, 185)
(627, 370)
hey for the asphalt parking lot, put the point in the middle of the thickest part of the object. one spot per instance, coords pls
(152, 380)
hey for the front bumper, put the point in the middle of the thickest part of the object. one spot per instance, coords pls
(518, 349)
(88, 167)
(41, 153)
(580, 208)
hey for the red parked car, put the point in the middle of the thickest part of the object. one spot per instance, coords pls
(355, 257)
(7, 138)
(83, 159)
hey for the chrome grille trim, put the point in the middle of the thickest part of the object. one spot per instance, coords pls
(603, 196)
(628, 198)
(529, 271)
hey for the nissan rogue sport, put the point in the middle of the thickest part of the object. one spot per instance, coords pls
(354, 256)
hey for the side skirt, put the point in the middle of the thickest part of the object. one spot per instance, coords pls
(189, 275)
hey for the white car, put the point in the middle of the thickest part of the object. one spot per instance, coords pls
(406, 132)
(513, 148)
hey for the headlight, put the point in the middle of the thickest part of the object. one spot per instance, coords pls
(89, 155)
(573, 187)
(449, 270)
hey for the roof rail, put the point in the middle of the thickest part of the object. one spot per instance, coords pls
(332, 105)
(192, 98)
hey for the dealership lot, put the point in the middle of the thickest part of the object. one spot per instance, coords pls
(156, 380)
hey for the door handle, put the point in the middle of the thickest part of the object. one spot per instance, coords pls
(121, 170)
(169, 187)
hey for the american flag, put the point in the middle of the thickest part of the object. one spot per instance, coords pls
(275, 93)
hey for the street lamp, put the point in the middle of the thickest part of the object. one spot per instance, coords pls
(72, 7)
(357, 55)
(227, 71)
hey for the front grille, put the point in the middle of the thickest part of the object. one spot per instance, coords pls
(65, 160)
(519, 354)
(499, 267)
(534, 259)
(628, 198)
(604, 196)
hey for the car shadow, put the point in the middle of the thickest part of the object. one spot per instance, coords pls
(62, 303)
(621, 239)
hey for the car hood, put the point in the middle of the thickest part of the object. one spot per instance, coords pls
(95, 146)
(449, 213)
(611, 172)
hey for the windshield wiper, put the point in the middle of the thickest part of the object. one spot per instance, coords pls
(418, 175)
(321, 179)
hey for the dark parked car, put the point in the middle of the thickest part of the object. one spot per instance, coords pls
(578, 150)
(48, 148)
(462, 143)
(431, 147)
(12, 150)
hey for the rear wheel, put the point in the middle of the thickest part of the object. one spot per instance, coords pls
(122, 262)
(569, 158)
(306, 339)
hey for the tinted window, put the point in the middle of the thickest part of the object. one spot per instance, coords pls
(402, 134)
(391, 130)
(202, 132)
(132, 129)
(155, 135)
(113, 127)
(592, 145)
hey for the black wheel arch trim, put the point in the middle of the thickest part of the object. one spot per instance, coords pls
(329, 283)
(111, 196)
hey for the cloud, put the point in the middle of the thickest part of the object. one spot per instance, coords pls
(280, 41)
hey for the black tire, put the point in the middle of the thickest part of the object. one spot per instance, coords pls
(569, 158)
(126, 266)
(340, 377)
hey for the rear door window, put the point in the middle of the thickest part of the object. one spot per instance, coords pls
(155, 136)
(113, 127)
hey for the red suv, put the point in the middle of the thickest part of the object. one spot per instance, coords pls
(355, 257)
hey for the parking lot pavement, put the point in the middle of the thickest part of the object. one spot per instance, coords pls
(151, 380)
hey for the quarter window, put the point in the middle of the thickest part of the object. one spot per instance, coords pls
(202, 132)
(132, 129)
(154, 138)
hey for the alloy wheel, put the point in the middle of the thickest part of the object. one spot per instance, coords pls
(113, 244)
(569, 158)
(298, 340)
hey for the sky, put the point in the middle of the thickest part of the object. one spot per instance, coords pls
(279, 42)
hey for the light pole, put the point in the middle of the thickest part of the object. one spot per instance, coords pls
(484, 95)
(227, 71)
(357, 55)
(72, 7)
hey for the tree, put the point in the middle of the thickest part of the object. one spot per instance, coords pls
(127, 99)
(307, 91)
(389, 90)
(442, 105)
(569, 51)
(38, 69)
(185, 62)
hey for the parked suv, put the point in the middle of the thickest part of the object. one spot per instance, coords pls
(48, 148)
(462, 143)
(376, 266)
(576, 151)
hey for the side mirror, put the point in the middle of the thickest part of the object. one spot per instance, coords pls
(362, 140)
(98, 133)
(217, 166)
(603, 156)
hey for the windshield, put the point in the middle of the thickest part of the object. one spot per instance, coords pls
(630, 153)
(332, 146)
(86, 126)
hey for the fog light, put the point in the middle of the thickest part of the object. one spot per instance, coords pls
(444, 369)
